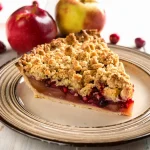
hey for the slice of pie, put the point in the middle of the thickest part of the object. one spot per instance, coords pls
(80, 70)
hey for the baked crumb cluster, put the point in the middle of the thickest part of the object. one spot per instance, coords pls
(80, 62)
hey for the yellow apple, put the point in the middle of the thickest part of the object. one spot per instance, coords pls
(75, 15)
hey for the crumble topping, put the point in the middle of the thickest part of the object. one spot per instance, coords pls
(80, 62)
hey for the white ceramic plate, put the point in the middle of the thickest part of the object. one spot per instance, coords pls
(53, 121)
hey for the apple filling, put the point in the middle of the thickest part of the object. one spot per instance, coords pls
(95, 98)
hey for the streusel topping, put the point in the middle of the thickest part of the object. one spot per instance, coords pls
(80, 62)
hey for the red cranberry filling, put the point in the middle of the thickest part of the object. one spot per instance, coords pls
(95, 97)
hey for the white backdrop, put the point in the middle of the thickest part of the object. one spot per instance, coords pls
(128, 18)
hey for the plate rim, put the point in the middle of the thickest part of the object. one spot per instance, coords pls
(11, 126)
(64, 143)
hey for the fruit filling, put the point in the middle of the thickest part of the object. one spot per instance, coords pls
(95, 98)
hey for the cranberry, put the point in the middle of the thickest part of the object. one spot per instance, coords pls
(64, 89)
(114, 38)
(85, 98)
(103, 102)
(2, 47)
(128, 103)
(1, 7)
(139, 42)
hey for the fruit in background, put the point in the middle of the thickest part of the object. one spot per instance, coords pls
(139, 42)
(1, 7)
(75, 15)
(29, 26)
(114, 38)
(2, 47)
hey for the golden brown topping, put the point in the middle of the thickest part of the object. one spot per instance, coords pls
(80, 61)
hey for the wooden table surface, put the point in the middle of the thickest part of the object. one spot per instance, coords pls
(128, 25)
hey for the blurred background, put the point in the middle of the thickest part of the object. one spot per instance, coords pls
(128, 18)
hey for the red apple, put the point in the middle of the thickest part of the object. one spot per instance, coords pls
(29, 26)
(75, 15)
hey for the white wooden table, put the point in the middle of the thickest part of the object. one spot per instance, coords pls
(125, 17)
